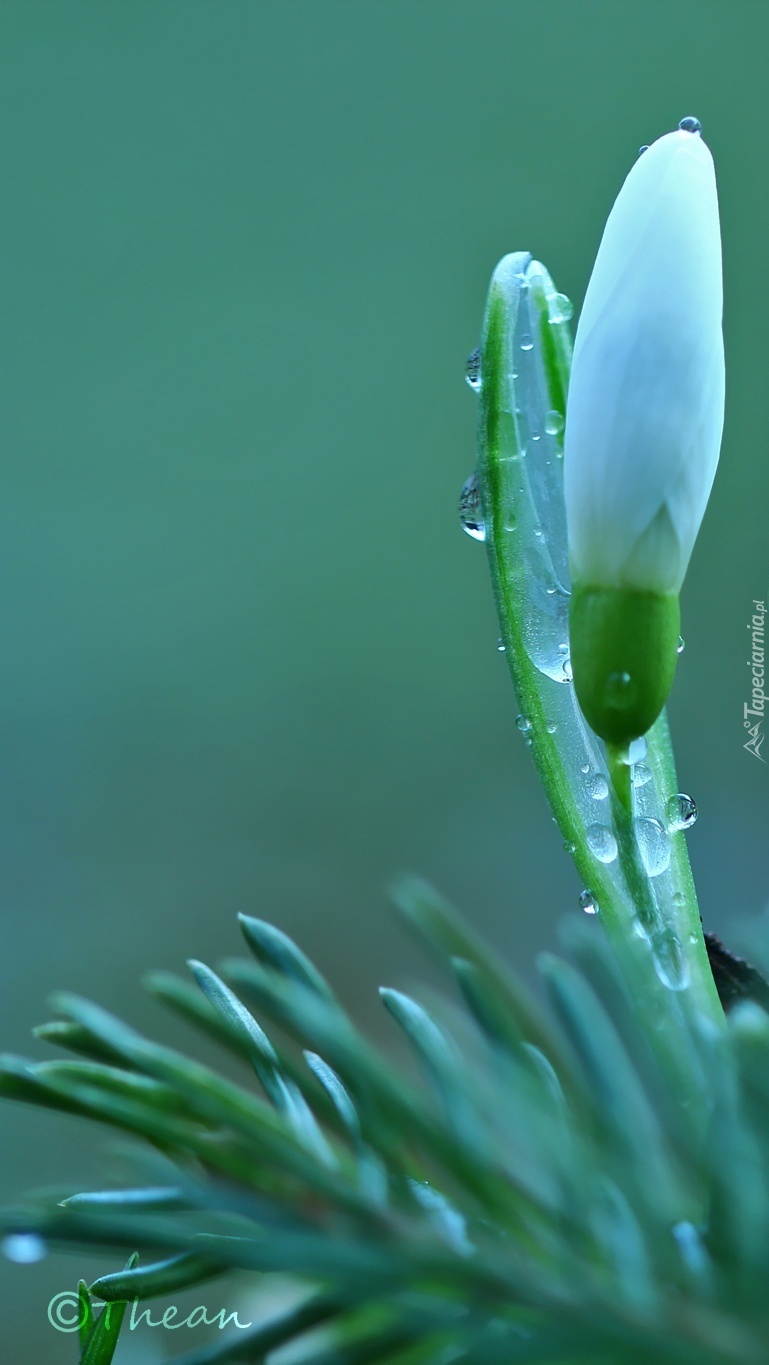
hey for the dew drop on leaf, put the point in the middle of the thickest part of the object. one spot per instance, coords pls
(682, 811)
(598, 786)
(653, 845)
(601, 843)
(470, 510)
(473, 369)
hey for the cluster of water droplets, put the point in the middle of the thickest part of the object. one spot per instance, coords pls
(536, 558)
(538, 453)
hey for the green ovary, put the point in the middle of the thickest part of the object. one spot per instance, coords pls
(623, 652)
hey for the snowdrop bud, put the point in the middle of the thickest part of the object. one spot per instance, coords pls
(643, 430)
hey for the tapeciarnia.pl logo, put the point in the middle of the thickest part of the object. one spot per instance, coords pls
(753, 711)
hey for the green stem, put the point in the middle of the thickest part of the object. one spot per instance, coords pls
(621, 776)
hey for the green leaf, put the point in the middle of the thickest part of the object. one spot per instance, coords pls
(151, 1197)
(101, 1344)
(86, 1315)
(437, 924)
(275, 949)
(160, 1278)
(619, 1098)
(76, 1039)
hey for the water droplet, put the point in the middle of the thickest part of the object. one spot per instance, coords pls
(681, 646)
(551, 727)
(598, 786)
(588, 903)
(682, 811)
(602, 843)
(568, 672)
(470, 510)
(670, 962)
(569, 847)
(636, 752)
(584, 767)
(473, 369)
(643, 149)
(690, 124)
(620, 690)
(641, 775)
(679, 901)
(561, 308)
(554, 422)
(25, 1248)
(524, 724)
(653, 845)
(526, 342)
(501, 645)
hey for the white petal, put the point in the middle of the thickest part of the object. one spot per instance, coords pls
(645, 405)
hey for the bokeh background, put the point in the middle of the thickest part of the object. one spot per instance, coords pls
(248, 658)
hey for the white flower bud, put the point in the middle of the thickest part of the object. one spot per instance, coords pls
(644, 417)
(646, 396)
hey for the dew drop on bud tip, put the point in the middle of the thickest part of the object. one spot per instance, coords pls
(682, 811)
(473, 369)
(637, 750)
(24, 1248)
(562, 308)
(619, 689)
(470, 510)
(588, 903)
(601, 843)
(690, 125)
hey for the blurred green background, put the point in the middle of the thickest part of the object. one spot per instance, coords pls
(248, 658)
